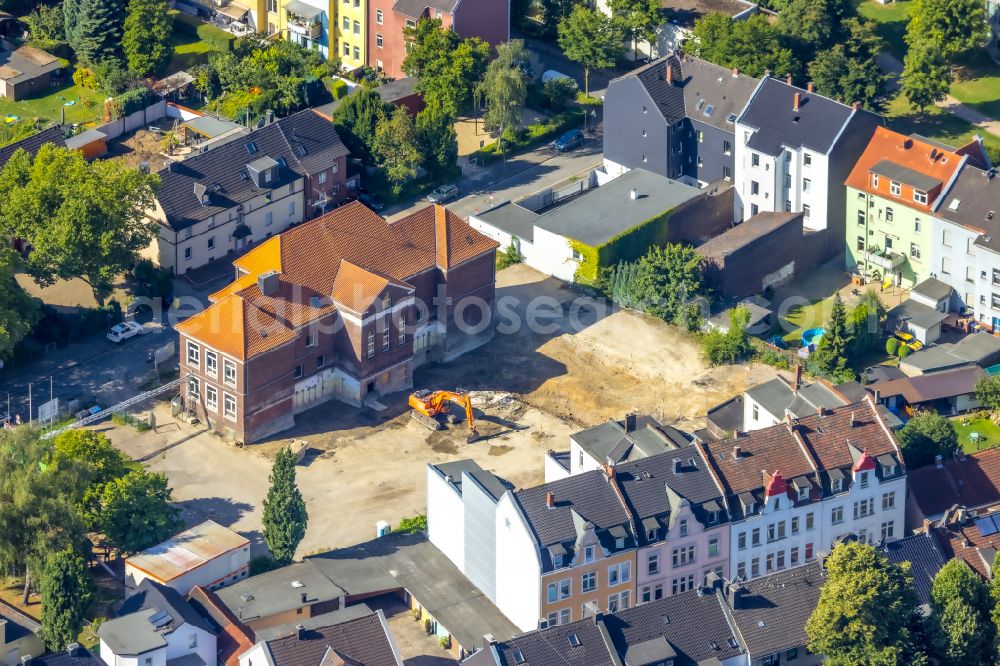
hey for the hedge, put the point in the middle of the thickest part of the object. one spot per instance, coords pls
(136, 100)
(531, 136)
(216, 38)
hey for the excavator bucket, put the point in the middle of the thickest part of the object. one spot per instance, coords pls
(474, 436)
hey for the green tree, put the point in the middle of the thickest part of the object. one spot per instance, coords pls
(285, 516)
(669, 283)
(926, 75)
(831, 354)
(94, 28)
(592, 39)
(503, 89)
(447, 67)
(94, 451)
(640, 20)
(849, 70)
(83, 219)
(949, 27)
(891, 346)
(988, 392)
(961, 630)
(754, 46)
(865, 612)
(437, 140)
(47, 23)
(146, 39)
(133, 512)
(864, 324)
(19, 312)
(67, 592)
(812, 26)
(733, 345)
(395, 148)
(924, 436)
(356, 118)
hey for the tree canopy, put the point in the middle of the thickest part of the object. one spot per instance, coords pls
(285, 516)
(83, 219)
(988, 392)
(754, 45)
(849, 70)
(437, 140)
(592, 39)
(146, 40)
(639, 19)
(812, 26)
(19, 312)
(395, 148)
(356, 118)
(961, 630)
(503, 88)
(446, 66)
(133, 512)
(67, 592)
(924, 436)
(926, 75)
(948, 27)
(94, 28)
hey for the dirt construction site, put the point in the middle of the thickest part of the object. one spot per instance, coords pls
(530, 389)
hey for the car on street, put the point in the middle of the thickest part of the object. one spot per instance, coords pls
(443, 194)
(125, 330)
(568, 141)
(908, 340)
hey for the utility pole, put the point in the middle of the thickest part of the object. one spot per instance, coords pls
(29, 402)
(52, 418)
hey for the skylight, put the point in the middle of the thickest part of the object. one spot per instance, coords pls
(954, 204)
(251, 147)
(709, 109)
(731, 118)
(574, 640)
(518, 657)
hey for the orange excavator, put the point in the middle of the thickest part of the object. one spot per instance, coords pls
(428, 405)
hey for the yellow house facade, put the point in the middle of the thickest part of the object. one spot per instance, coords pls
(335, 28)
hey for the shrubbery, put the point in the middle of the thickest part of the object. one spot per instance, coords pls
(532, 135)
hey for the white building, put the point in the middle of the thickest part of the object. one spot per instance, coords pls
(157, 627)
(772, 402)
(207, 555)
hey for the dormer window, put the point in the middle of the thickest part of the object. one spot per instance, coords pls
(619, 543)
(588, 554)
(864, 479)
(895, 188)
(837, 485)
(713, 517)
(889, 470)
(557, 561)
(386, 302)
(777, 503)
(875, 180)
(803, 494)
(651, 535)
(919, 197)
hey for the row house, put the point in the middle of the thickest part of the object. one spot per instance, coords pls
(635, 437)
(342, 307)
(676, 118)
(795, 489)
(794, 149)
(224, 201)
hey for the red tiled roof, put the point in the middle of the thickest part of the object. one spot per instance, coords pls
(865, 463)
(233, 638)
(971, 481)
(828, 436)
(237, 327)
(967, 544)
(774, 484)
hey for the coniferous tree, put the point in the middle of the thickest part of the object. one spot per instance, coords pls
(146, 40)
(67, 592)
(94, 28)
(285, 516)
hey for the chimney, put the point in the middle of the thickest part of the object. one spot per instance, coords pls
(304, 597)
(856, 106)
(550, 500)
(809, 87)
(854, 421)
(489, 639)
(736, 72)
(25, 659)
(796, 101)
(630, 422)
(798, 378)
(300, 631)
(677, 465)
(634, 194)
(788, 79)
(669, 74)
(821, 411)
(73, 649)
(268, 116)
(937, 462)
(734, 595)
(737, 452)
(268, 283)
(927, 525)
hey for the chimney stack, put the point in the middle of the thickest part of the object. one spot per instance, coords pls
(550, 499)
(856, 106)
(304, 597)
(734, 594)
(809, 87)
(300, 631)
(669, 74)
(737, 451)
(796, 101)
(634, 194)
(736, 72)
(798, 378)
(630, 420)
(927, 525)
(854, 421)
(268, 283)
(73, 649)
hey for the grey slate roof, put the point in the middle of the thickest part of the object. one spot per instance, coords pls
(689, 622)
(132, 632)
(306, 142)
(32, 143)
(416, 8)
(905, 175)
(602, 213)
(491, 483)
(772, 613)
(978, 196)
(397, 89)
(271, 593)
(646, 437)
(925, 556)
(776, 396)
(511, 218)
(81, 657)
(917, 314)
(552, 647)
(364, 640)
(815, 126)
(933, 288)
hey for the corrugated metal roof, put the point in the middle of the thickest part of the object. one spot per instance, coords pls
(187, 551)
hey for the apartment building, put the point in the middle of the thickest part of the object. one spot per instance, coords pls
(565, 551)
(676, 118)
(487, 19)
(795, 489)
(794, 150)
(635, 437)
(329, 310)
(335, 28)
(773, 401)
(223, 201)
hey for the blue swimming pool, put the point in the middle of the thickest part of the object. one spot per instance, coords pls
(811, 337)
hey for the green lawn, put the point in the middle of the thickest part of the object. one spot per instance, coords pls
(891, 19)
(188, 51)
(989, 433)
(49, 106)
(936, 124)
(803, 317)
(977, 84)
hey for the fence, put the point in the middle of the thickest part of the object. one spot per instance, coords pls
(550, 197)
(115, 409)
(134, 121)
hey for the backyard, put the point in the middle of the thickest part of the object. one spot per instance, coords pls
(939, 125)
(189, 51)
(988, 432)
(891, 19)
(977, 84)
(82, 105)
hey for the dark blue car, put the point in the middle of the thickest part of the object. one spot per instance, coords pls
(568, 141)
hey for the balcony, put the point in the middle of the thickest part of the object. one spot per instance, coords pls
(884, 259)
(304, 27)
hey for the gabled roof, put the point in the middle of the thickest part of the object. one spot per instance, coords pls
(771, 614)
(301, 144)
(233, 638)
(187, 551)
(641, 435)
(31, 144)
(146, 616)
(925, 555)
(935, 386)
(579, 643)
(237, 328)
(971, 480)
(933, 289)
(816, 125)
(779, 398)
(974, 202)
(363, 641)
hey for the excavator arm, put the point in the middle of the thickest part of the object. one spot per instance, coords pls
(430, 404)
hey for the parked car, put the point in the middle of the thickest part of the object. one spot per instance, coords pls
(568, 141)
(908, 340)
(125, 330)
(443, 194)
(368, 199)
(552, 75)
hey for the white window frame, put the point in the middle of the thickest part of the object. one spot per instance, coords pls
(227, 399)
(228, 378)
(193, 354)
(211, 397)
(895, 189)
(211, 363)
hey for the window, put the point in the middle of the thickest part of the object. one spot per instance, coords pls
(888, 214)
(875, 180)
(335, 168)
(920, 197)
(561, 590)
(888, 500)
(727, 148)
(682, 584)
(805, 211)
(894, 188)
(788, 180)
(620, 601)
(946, 265)
(268, 219)
(793, 556)
(995, 301)
(347, 48)
(378, 16)
(792, 654)
(194, 354)
(807, 159)
(347, 23)
(888, 242)
(211, 243)
(701, 137)
(861, 217)
(653, 563)
(741, 570)
(837, 515)
(192, 387)
(187, 253)
(806, 185)
(229, 406)
(837, 485)
(795, 524)
(754, 187)
(809, 520)
(754, 159)
(809, 552)
(946, 237)
(588, 554)
(298, 371)
(756, 412)
(193, 641)
(211, 397)
(378, 40)
(861, 243)
(887, 530)
(357, 53)
(357, 28)
(320, 361)
(312, 339)
(754, 209)
(228, 372)
(727, 173)
(864, 508)
(683, 555)
(371, 345)
(916, 225)
(755, 567)
(589, 581)
(713, 547)
(755, 537)
(385, 337)
(864, 479)
(914, 250)
(684, 526)
(776, 531)
(788, 205)
(741, 541)
(211, 363)
(322, 177)
(272, 6)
